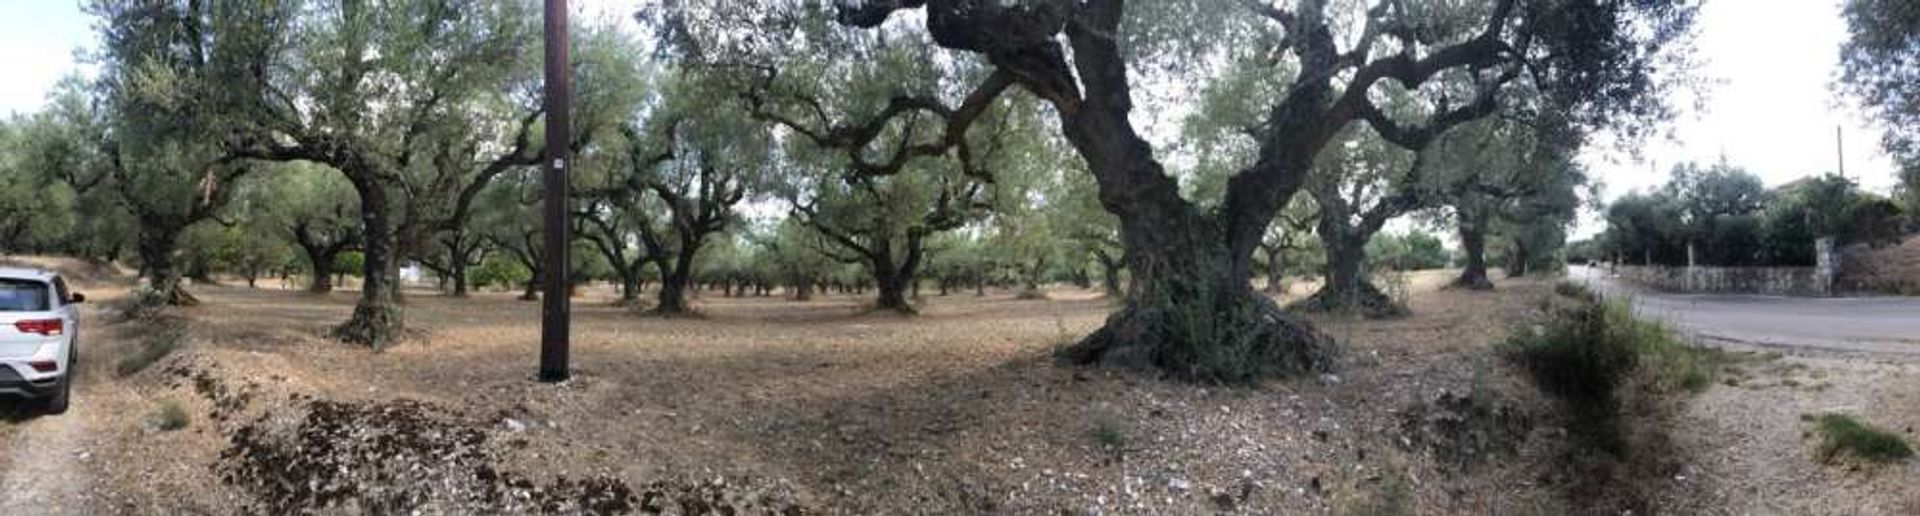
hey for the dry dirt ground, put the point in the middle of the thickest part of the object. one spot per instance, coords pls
(771, 406)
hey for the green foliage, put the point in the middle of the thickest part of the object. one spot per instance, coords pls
(1880, 68)
(1411, 251)
(350, 262)
(498, 270)
(1731, 220)
(1585, 354)
(1842, 435)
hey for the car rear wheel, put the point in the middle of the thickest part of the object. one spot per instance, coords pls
(57, 404)
(61, 398)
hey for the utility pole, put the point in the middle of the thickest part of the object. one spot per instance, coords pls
(554, 313)
(1840, 152)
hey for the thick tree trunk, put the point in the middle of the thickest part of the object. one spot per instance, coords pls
(321, 262)
(1276, 271)
(531, 290)
(158, 241)
(1473, 243)
(377, 318)
(1109, 274)
(802, 288)
(1347, 288)
(893, 291)
(1191, 312)
(1030, 282)
(674, 282)
(629, 284)
(457, 264)
(1519, 260)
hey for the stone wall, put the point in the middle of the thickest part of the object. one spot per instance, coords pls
(1778, 281)
(1817, 280)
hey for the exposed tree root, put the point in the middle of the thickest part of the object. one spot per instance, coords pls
(1365, 300)
(1472, 281)
(374, 326)
(1244, 343)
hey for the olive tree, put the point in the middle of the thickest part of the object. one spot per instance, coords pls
(1880, 68)
(364, 89)
(1191, 310)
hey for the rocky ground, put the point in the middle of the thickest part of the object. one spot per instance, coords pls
(766, 406)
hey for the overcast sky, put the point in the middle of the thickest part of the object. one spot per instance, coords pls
(1768, 108)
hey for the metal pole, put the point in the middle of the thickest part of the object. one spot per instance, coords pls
(1840, 152)
(554, 316)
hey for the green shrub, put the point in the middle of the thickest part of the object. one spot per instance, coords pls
(1842, 435)
(1585, 354)
(163, 344)
(169, 416)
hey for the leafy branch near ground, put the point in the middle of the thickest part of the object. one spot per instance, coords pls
(1842, 436)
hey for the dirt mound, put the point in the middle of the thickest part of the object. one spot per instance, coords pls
(408, 457)
(1888, 270)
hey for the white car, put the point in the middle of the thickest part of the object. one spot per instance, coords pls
(39, 331)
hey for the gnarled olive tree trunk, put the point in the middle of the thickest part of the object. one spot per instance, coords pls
(377, 318)
(1191, 310)
(158, 241)
(1345, 286)
(892, 280)
(1473, 243)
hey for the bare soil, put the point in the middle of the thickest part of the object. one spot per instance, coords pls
(768, 406)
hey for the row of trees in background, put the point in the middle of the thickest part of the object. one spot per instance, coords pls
(753, 144)
(1727, 217)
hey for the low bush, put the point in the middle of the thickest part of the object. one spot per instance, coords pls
(1583, 356)
(169, 416)
(1843, 436)
(149, 352)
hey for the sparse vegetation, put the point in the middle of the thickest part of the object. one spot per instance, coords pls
(146, 353)
(1583, 355)
(169, 416)
(1387, 495)
(1109, 430)
(1843, 436)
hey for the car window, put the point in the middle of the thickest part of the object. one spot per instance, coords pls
(18, 295)
(60, 290)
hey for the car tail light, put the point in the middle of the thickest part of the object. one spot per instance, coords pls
(48, 327)
(44, 366)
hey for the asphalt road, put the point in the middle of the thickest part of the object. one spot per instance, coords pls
(1866, 325)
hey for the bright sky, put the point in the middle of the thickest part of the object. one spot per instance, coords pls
(1769, 108)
